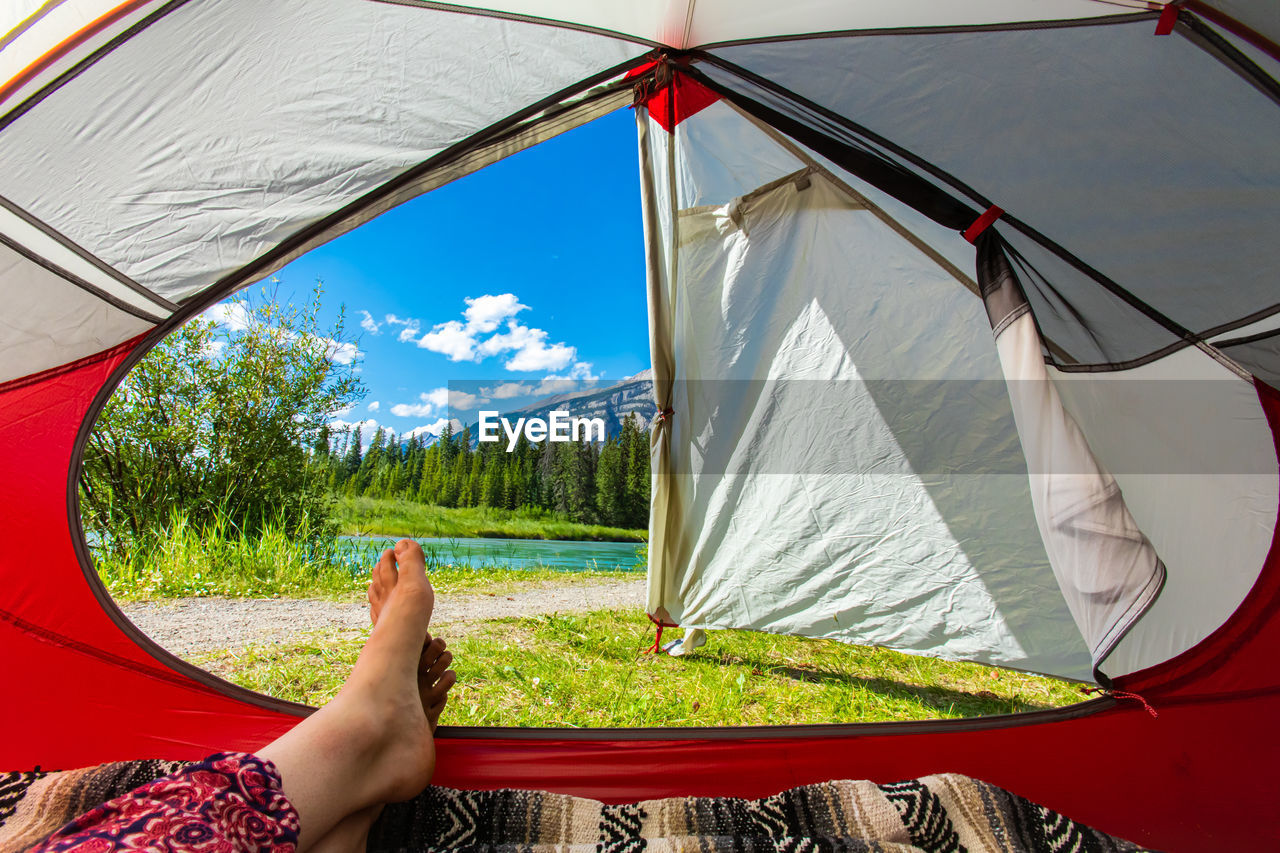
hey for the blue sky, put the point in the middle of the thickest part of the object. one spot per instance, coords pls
(528, 269)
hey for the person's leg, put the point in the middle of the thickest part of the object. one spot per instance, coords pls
(372, 743)
(351, 834)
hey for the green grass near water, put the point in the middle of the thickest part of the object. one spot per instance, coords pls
(187, 562)
(387, 517)
(586, 670)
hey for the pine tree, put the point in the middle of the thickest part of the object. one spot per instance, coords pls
(611, 485)
(351, 461)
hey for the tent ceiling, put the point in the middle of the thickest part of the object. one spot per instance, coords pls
(142, 157)
(690, 23)
(1143, 156)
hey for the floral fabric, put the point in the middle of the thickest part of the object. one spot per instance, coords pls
(231, 802)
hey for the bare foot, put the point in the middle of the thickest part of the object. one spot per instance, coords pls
(373, 742)
(434, 676)
(351, 834)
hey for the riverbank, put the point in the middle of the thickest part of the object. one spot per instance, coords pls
(386, 517)
(219, 562)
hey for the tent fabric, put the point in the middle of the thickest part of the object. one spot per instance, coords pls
(1107, 569)
(1137, 173)
(1187, 442)
(428, 78)
(817, 459)
(689, 23)
(1083, 151)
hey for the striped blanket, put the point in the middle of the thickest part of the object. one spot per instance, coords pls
(935, 813)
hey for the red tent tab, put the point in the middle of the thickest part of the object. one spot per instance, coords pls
(675, 101)
(982, 223)
(1168, 17)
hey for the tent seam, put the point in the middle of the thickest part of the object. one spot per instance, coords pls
(523, 19)
(87, 62)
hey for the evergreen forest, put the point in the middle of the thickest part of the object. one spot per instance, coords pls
(585, 482)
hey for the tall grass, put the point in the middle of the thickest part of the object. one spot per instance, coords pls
(364, 516)
(218, 560)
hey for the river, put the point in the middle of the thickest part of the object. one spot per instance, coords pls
(565, 555)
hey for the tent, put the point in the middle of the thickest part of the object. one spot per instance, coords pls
(964, 331)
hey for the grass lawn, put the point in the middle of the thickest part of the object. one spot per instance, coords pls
(585, 670)
(380, 517)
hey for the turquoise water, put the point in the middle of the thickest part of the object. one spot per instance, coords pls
(569, 556)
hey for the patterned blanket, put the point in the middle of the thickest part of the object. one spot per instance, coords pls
(935, 813)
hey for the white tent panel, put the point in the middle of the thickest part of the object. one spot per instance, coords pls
(225, 128)
(1107, 569)
(47, 321)
(804, 502)
(733, 158)
(736, 155)
(1190, 446)
(689, 23)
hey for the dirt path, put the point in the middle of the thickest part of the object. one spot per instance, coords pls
(190, 626)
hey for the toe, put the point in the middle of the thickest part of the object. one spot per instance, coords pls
(435, 696)
(431, 652)
(410, 560)
(432, 671)
(433, 713)
(383, 578)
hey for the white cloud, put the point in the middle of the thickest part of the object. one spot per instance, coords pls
(531, 351)
(412, 410)
(484, 313)
(464, 401)
(374, 406)
(343, 353)
(431, 401)
(509, 390)
(466, 341)
(557, 385)
(410, 330)
(234, 315)
(581, 370)
(541, 357)
(576, 380)
(341, 413)
(369, 324)
(433, 429)
(451, 339)
(366, 427)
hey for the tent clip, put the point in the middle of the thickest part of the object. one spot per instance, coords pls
(1121, 694)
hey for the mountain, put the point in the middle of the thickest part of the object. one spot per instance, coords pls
(612, 404)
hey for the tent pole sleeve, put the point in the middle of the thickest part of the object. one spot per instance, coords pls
(662, 532)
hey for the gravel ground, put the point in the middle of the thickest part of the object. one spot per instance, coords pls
(191, 626)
